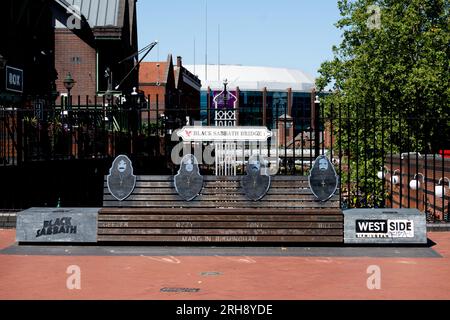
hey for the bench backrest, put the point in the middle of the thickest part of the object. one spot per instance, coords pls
(289, 192)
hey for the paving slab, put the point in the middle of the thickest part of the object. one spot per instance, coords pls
(224, 273)
(406, 252)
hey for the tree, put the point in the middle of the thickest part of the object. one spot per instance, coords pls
(391, 76)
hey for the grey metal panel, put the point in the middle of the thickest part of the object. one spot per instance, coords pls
(102, 13)
(111, 13)
(99, 13)
(86, 8)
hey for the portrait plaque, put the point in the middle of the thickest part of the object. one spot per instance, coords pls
(323, 179)
(188, 182)
(121, 181)
(256, 182)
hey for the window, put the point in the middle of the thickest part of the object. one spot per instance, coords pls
(76, 60)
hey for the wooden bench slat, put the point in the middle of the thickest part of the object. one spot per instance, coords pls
(224, 239)
(220, 225)
(172, 191)
(217, 178)
(215, 204)
(219, 218)
(219, 184)
(215, 211)
(217, 197)
(223, 232)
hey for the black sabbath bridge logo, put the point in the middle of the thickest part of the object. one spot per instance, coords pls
(59, 225)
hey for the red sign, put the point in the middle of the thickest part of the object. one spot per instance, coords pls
(445, 153)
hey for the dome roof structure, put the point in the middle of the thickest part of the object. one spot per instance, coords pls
(249, 78)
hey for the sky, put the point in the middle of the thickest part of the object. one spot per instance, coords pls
(296, 34)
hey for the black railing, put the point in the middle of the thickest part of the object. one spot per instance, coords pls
(369, 146)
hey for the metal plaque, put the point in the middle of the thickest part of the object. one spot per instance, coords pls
(257, 181)
(121, 181)
(14, 79)
(188, 182)
(323, 180)
(76, 225)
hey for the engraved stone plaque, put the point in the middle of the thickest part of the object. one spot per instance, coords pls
(121, 181)
(188, 182)
(257, 181)
(323, 179)
(377, 226)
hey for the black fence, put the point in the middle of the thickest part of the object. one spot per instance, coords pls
(58, 154)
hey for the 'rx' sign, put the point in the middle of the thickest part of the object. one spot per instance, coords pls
(14, 79)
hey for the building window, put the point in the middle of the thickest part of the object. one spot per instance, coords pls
(277, 105)
(76, 60)
(250, 108)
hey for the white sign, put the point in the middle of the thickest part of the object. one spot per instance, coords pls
(401, 228)
(384, 228)
(199, 133)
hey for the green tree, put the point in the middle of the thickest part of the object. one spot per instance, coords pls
(391, 77)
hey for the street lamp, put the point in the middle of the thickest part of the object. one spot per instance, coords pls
(440, 190)
(109, 95)
(69, 83)
(416, 183)
(395, 178)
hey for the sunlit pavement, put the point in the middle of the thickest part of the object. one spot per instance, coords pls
(223, 276)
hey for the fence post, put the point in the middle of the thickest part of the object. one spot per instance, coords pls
(316, 127)
(19, 124)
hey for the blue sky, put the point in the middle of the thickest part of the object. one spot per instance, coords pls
(278, 33)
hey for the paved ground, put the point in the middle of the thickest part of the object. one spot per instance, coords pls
(224, 273)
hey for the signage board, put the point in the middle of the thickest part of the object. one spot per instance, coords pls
(200, 133)
(384, 226)
(14, 79)
(38, 105)
(76, 225)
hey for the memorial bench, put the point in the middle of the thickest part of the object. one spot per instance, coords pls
(154, 212)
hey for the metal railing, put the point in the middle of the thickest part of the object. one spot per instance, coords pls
(368, 149)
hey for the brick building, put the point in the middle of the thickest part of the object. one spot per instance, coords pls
(113, 27)
(172, 90)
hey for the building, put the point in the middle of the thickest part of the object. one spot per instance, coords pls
(271, 97)
(171, 89)
(111, 37)
(157, 81)
(27, 64)
(188, 86)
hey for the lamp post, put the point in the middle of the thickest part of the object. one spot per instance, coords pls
(69, 83)
(316, 127)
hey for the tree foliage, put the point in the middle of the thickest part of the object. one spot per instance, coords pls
(391, 80)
